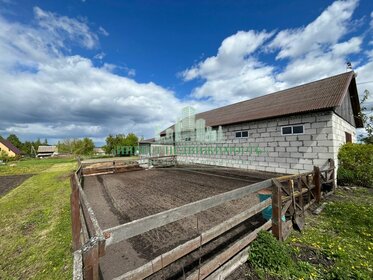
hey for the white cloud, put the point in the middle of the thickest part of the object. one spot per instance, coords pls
(46, 93)
(327, 29)
(351, 46)
(232, 53)
(100, 56)
(62, 27)
(102, 31)
(234, 73)
(303, 54)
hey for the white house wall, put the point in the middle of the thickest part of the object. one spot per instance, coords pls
(324, 132)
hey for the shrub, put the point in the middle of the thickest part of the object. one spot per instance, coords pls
(356, 164)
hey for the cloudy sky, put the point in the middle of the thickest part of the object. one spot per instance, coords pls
(90, 68)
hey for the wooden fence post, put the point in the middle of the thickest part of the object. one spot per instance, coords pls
(316, 181)
(91, 259)
(75, 213)
(333, 173)
(276, 211)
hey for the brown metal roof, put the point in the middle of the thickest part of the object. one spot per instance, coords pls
(10, 146)
(323, 94)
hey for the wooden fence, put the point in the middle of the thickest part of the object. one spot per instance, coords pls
(291, 196)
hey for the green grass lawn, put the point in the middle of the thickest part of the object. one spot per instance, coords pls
(35, 236)
(337, 244)
(30, 166)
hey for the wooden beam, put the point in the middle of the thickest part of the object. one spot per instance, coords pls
(93, 226)
(77, 265)
(222, 258)
(128, 230)
(276, 210)
(292, 177)
(84, 237)
(76, 225)
(91, 259)
(92, 223)
(316, 182)
(188, 247)
(214, 175)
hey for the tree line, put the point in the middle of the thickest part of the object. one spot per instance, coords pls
(76, 146)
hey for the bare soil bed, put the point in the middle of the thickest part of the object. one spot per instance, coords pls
(10, 182)
(123, 197)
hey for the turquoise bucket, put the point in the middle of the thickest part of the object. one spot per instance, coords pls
(267, 212)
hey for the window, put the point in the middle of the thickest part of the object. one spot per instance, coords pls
(297, 129)
(286, 130)
(294, 129)
(348, 137)
(242, 134)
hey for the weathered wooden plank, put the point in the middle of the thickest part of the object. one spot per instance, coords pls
(75, 214)
(214, 175)
(188, 247)
(226, 269)
(222, 258)
(93, 226)
(316, 178)
(122, 232)
(309, 204)
(292, 177)
(276, 210)
(91, 259)
(90, 218)
(77, 265)
(84, 237)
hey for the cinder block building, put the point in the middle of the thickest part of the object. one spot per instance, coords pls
(288, 131)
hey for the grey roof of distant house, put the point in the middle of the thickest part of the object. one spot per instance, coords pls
(47, 149)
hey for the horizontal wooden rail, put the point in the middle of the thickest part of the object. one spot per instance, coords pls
(92, 223)
(171, 256)
(294, 176)
(219, 260)
(297, 193)
(128, 230)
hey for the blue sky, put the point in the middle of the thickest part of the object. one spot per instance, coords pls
(90, 68)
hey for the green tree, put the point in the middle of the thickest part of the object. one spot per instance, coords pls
(367, 117)
(83, 146)
(119, 141)
(12, 138)
(132, 140)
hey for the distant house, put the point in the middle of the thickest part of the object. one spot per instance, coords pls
(150, 147)
(7, 147)
(289, 131)
(47, 151)
(99, 151)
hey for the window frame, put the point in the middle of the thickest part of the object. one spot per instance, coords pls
(292, 129)
(241, 137)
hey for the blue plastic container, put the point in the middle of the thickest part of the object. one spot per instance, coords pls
(267, 212)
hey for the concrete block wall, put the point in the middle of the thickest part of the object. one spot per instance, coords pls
(323, 133)
(340, 126)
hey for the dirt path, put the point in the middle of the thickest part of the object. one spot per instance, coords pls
(10, 182)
